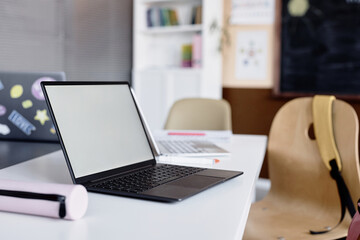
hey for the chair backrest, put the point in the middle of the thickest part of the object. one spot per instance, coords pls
(199, 114)
(295, 166)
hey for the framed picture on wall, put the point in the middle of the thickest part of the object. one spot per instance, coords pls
(318, 48)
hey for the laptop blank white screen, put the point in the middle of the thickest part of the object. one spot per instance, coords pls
(99, 125)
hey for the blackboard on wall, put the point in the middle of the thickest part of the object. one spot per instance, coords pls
(319, 50)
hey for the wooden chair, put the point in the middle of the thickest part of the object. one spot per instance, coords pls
(199, 114)
(303, 196)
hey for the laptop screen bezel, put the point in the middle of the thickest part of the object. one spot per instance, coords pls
(107, 173)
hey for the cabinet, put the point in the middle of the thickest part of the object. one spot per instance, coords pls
(158, 76)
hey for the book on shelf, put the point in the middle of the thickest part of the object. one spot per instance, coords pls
(196, 15)
(149, 22)
(154, 17)
(173, 17)
(186, 55)
(196, 51)
(160, 17)
(192, 53)
(166, 17)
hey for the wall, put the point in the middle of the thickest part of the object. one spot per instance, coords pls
(89, 40)
(252, 112)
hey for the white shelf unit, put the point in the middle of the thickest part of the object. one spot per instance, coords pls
(158, 78)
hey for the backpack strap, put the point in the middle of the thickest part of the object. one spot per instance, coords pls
(324, 134)
(323, 127)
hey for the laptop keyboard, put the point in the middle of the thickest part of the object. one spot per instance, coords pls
(186, 146)
(148, 178)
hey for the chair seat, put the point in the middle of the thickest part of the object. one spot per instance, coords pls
(272, 218)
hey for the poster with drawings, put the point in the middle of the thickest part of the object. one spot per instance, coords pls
(251, 55)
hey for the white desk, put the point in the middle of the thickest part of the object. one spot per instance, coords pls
(217, 213)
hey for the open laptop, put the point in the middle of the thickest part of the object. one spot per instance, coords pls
(23, 112)
(188, 147)
(108, 149)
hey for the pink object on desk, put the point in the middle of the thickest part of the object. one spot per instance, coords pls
(185, 134)
(76, 199)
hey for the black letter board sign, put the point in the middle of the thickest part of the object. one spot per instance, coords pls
(319, 49)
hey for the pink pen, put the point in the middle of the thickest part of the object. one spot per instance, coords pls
(186, 134)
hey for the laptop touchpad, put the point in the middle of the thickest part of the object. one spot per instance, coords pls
(185, 187)
(196, 181)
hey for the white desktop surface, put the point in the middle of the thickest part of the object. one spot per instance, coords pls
(217, 213)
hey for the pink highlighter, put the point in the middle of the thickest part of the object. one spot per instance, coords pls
(45, 199)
